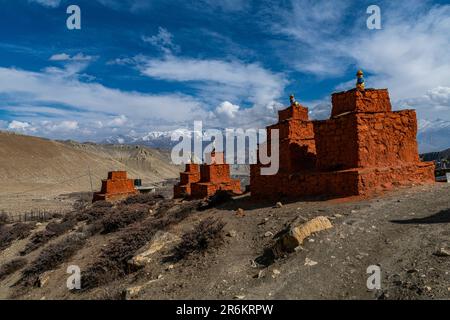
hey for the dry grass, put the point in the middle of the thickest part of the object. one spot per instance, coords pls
(51, 257)
(52, 230)
(11, 233)
(113, 262)
(4, 218)
(206, 235)
(11, 267)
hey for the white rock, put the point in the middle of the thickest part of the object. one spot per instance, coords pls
(309, 262)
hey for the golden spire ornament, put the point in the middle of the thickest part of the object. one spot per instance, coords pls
(360, 82)
(294, 102)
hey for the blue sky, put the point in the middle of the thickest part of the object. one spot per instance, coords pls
(146, 65)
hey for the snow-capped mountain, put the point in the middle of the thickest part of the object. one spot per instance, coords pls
(153, 139)
(434, 135)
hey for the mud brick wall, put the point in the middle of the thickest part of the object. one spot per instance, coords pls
(370, 100)
(387, 139)
(292, 129)
(336, 143)
(297, 150)
(297, 156)
(206, 189)
(190, 175)
(216, 173)
(342, 183)
(297, 113)
(187, 178)
(117, 186)
(117, 175)
(192, 167)
(389, 177)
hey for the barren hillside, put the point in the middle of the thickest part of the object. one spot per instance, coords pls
(30, 165)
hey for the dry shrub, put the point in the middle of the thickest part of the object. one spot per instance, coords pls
(11, 233)
(4, 218)
(207, 234)
(113, 261)
(219, 198)
(52, 256)
(143, 198)
(91, 213)
(11, 267)
(122, 217)
(52, 230)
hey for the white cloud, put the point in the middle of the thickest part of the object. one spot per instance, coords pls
(163, 41)
(226, 79)
(60, 126)
(118, 121)
(434, 104)
(79, 57)
(414, 56)
(48, 3)
(409, 56)
(227, 109)
(58, 86)
(253, 87)
(18, 125)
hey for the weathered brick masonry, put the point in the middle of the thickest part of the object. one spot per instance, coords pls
(116, 187)
(211, 178)
(364, 147)
(187, 178)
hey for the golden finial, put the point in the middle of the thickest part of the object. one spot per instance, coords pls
(294, 102)
(360, 82)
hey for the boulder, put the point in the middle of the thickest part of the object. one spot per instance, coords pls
(131, 293)
(43, 279)
(159, 241)
(294, 235)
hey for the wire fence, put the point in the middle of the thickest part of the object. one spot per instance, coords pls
(32, 216)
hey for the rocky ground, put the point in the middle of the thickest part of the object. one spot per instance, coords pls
(405, 232)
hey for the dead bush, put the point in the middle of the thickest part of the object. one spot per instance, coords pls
(4, 218)
(11, 267)
(51, 257)
(52, 230)
(113, 261)
(11, 233)
(143, 198)
(122, 217)
(219, 198)
(93, 213)
(207, 234)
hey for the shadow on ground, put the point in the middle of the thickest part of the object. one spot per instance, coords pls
(440, 217)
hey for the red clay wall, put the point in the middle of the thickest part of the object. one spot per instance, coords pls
(336, 143)
(199, 184)
(116, 187)
(387, 139)
(293, 129)
(370, 100)
(187, 178)
(117, 175)
(363, 148)
(296, 113)
(344, 183)
(215, 173)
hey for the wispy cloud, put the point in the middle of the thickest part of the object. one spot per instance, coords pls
(163, 41)
(48, 3)
(62, 92)
(79, 57)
